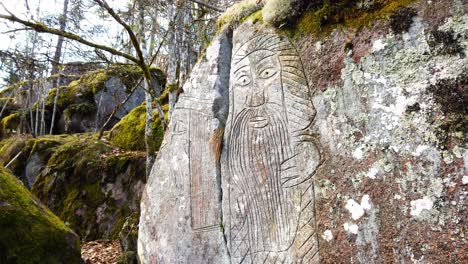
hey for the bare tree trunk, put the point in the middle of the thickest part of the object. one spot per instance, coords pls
(172, 63)
(43, 98)
(4, 107)
(43, 124)
(152, 36)
(54, 111)
(36, 124)
(96, 120)
(184, 42)
(29, 105)
(58, 47)
(147, 86)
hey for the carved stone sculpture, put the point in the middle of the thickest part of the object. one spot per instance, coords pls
(255, 203)
(269, 154)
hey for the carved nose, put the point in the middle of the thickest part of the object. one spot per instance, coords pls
(256, 97)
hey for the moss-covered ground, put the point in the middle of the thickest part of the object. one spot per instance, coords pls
(31, 233)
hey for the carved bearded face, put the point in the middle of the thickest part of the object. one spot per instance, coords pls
(257, 85)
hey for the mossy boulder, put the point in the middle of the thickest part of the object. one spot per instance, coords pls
(30, 232)
(92, 186)
(90, 84)
(10, 123)
(87, 103)
(11, 148)
(129, 133)
(78, 118)
(32, 155)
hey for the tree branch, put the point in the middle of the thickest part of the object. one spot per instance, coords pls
(41, 28)
(133, 38)
(15, 30)
(208, 5)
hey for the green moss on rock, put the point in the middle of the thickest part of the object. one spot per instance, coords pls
(82, 109)
(30, 233)
(236, 13)
(84, 89)
(322, 17)
(277, 12)
(129, 133)
(91, 186)
(160, 76)
(11, 122)
(26, 147)
(12, 147)
(299, 17)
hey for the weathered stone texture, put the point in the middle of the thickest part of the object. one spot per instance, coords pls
(332, 153)
(391, 189)
(180, 210)
(269, 154)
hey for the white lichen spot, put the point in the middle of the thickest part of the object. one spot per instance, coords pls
(355, 209)
(397, 197)
(365, 204)
(372, 173)
(351, 228)
(465, 180)
(457, 151)
(378, 45)
(358, 153)
(419, 205)
(327, 235)
(419, 150)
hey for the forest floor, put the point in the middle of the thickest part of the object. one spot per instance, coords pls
(100, 251)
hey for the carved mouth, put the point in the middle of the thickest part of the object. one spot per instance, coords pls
(259, 121)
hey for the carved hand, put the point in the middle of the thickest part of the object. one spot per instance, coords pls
(300, 167)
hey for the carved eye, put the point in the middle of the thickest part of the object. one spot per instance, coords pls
(267, 73)
(243, 80)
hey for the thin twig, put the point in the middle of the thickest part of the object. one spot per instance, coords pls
(13, 159)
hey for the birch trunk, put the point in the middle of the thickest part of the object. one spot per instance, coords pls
(172, 62)
(58, 47)
(54, 111)
(147, 86)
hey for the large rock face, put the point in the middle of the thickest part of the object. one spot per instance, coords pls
(265, 211)
(349, 147)
(181, 210)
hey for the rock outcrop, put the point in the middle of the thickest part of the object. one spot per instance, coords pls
(185, 173)
(336, 137)
(91, 185)
(31, 233)
(82, 105)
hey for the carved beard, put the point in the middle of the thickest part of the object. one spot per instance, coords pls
(259, 142)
